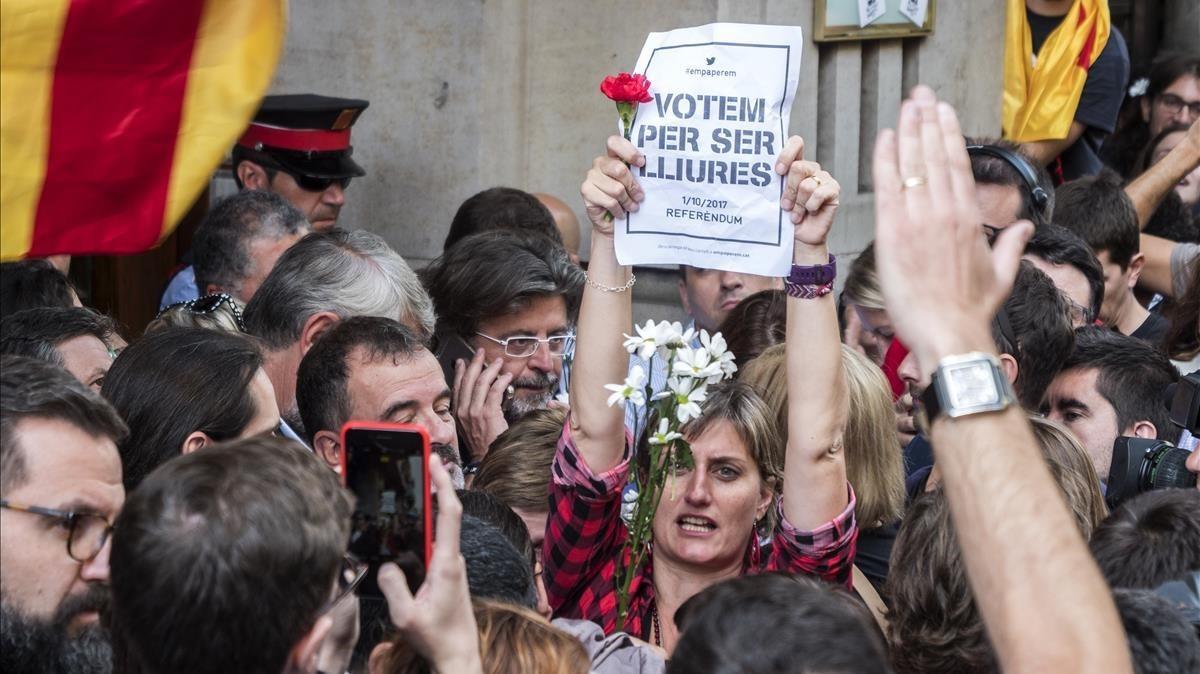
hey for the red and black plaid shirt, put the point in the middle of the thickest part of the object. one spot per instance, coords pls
(585, 536)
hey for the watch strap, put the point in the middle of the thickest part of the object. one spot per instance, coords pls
(813, 274)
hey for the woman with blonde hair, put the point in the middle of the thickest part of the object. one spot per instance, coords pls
(512, 640)
(863, 302)
(874, 462)
(704, 530)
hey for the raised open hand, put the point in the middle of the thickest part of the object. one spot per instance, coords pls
(941, 283)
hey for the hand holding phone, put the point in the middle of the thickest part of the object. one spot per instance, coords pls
(479, 392)
(438, 621)
(386, 467)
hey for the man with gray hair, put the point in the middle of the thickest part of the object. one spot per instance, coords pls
(506, 303)
(236, 245)
(325, 278)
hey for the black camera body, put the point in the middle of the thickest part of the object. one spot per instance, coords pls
(1141, 464)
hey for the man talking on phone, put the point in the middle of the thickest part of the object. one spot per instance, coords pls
(506, 304)
(369, 368)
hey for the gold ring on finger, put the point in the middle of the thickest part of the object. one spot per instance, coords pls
(914, 181)
(814, 179)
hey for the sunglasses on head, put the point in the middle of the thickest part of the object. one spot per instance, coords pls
(209, 304)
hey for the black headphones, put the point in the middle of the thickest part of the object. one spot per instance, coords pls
(1037, 195)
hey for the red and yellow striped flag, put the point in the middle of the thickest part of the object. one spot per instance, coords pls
(115, 113)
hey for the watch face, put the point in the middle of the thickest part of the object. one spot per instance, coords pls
(970, 385)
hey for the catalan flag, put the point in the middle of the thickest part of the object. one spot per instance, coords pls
(1042, 91)
(115, 113)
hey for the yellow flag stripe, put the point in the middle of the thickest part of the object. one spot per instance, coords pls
(238, 45)
(27, 61)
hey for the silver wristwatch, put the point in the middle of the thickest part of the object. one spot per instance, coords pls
(971, 383)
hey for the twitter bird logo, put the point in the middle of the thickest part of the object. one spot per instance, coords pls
(710, 60)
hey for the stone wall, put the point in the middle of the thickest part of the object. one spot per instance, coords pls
(470, 94)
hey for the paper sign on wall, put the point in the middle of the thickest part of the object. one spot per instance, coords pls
(870, 10)
(722, 96)
(914, 10)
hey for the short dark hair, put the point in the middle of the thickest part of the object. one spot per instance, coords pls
(501, 208)
(222, 242)
(1121, 148)
(31, 388)
(321, 392)
(992, 170)
(1058, 245)
(1098, 210)
(495, 569)
(33, 283)
(1040, 321)
(491, 510)
(1170, 67)
(776, 622)
(241, 153)
(1150, 539)
(1160, 637)
(757, 323)
(223, 559)
(495, 273)
(1132, 376)
(37, 332)
(933, 622)
(176, 381)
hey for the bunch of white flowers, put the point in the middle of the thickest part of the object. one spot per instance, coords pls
(690, 371)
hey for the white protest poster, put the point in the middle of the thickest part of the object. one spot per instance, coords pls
(914, 10)
(722, 96)
(870, 10)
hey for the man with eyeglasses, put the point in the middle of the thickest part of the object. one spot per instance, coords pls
(60, 490)
(1071, 264)
(506, 305)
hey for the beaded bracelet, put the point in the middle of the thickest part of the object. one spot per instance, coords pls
(807, 292)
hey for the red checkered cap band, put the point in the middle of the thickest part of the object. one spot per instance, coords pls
(300, 140)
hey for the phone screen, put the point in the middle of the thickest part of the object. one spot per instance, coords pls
(386, 467)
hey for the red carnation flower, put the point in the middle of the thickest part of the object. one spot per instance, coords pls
(626, 88)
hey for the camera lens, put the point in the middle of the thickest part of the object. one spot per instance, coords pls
(1164, 467)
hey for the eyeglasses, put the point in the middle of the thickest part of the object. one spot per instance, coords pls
(1080, 315)
(524, 347)
(86, 532)
(1173, 104)
(207, 305)
(350, 575)
(314, 184)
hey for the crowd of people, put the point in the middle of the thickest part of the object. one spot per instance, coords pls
(973, 458)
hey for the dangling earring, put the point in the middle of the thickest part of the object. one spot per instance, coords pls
(756, 544)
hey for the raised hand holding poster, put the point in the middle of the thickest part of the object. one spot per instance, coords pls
(721, 96)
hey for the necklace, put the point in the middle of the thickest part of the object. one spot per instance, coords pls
(657, 626)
